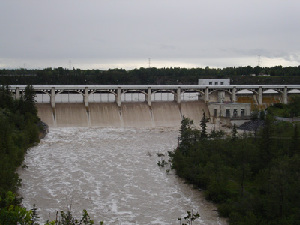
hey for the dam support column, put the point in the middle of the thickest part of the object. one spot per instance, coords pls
(177, 96)
(284, 96)
(149, 97)
(86, 98)
(260, 95)
(233, 97)
(118, 96)
(206, 99)
(17, 93)
(52, 97)
(86, 104)
(52, 101)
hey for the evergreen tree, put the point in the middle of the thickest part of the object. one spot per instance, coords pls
(203, 125)
(186, 134)
(266, 143)
(234, 133)
(294, 148)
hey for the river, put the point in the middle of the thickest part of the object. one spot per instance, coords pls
(113, 174)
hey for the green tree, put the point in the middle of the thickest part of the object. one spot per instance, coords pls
(11, 213)
(295, 106)
(66, 218)
(29, 94)
(295, 145)
(203, 125)
(186, 134)
(29, 102)
(266, 141)
(234, 133)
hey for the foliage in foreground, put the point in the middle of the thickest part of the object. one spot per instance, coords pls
(252, 180)
(11, 213)
(286, 110)
(68, 219)
(18, 132)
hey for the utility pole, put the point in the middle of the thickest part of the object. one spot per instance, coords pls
(258, 61)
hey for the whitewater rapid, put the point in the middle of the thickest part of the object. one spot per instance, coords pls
(113, 174)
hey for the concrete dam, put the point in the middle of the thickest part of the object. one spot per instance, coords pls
(149, 105)
(131, 114)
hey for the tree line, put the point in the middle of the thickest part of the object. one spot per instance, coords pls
(253, 179)
(19, 130)
(154, 76)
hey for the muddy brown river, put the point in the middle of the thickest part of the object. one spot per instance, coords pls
(113, 174)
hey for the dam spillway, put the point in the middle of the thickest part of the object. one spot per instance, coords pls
(130, 114)
(137, 105)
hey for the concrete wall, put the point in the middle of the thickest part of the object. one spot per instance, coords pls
(230, 110)
(214, 81)
(139, 114)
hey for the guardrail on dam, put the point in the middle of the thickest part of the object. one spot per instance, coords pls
(148, 90)
(117, 111)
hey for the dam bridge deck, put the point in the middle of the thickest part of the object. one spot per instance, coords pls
(203, 91)
(117, 110)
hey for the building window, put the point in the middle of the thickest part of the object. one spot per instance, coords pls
(227, 112)
(216, 83)
(242, 112)
(210, 83)
(215, 112)
(235, 113)
(222, 83)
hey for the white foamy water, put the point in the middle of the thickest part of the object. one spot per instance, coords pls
(113, 174)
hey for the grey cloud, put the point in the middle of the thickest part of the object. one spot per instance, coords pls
(135, 29)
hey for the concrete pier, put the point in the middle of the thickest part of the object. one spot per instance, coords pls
(260, 94)
(177, 96)
(284, 96)
(52, 97)
(233, 94)
(148, 96)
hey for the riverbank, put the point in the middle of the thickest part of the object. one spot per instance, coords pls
(43, 128)
(252, 179)
(18, 132)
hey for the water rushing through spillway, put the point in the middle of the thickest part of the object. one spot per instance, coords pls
(134, 114)
(113, 174)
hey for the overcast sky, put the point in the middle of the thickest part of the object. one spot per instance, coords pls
(101, 34)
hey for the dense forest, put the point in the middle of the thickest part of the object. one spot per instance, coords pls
(154, 76)
(19, 130)
(253, 178)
